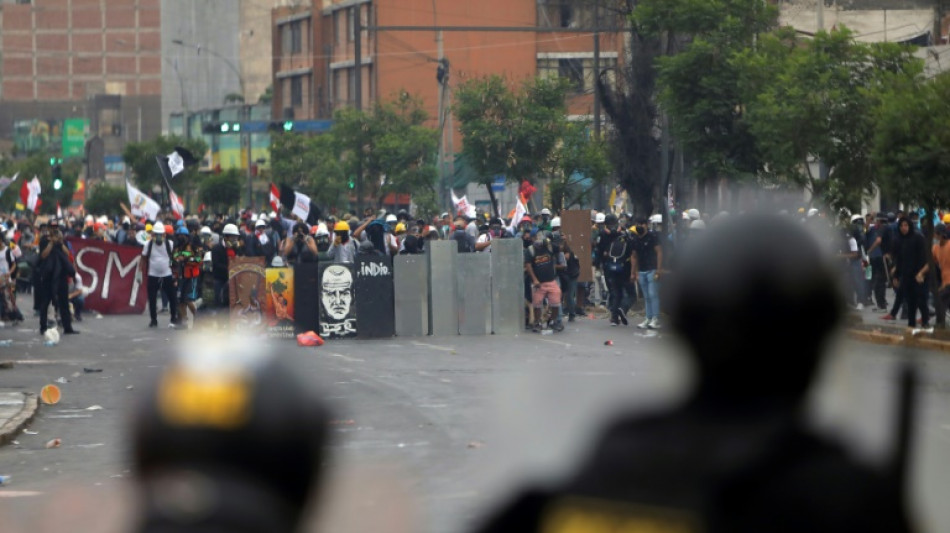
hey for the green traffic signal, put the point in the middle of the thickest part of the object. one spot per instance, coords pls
(288, 125)
(52, 161)
(236, 127)
(57, 184)
(351, 185)
(225, 127)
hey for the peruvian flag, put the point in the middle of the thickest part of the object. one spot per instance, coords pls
(274, 198)
(59, 211)
(30, 194)
(178, 208)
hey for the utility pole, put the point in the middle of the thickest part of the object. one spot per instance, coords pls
(601, 193)
(358, 87)
(441, 76)
(821, 14)
(246, 140)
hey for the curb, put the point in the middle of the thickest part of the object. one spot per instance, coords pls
(890, 339)
(13, 426)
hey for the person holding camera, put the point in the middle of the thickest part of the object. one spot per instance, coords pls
(299, 246)
(55, 271)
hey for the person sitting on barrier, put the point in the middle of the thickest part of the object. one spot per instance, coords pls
(343, 249)
(299, 246)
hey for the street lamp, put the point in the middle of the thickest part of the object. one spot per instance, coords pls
(246, 110)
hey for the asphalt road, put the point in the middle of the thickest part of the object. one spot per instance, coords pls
(429, 433)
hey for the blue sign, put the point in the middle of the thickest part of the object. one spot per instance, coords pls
(498, 184)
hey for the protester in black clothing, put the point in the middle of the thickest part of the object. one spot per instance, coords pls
(55, 271)
(230, 246)
(300, 247)
(616, 267)
(542, 261)
(261, 243)
(736, 456)
(910, 272)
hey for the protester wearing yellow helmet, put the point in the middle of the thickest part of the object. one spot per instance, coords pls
(343, 249)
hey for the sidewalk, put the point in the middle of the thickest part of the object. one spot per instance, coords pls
(866, 325)
(16, 411)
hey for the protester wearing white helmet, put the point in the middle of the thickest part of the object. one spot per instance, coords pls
(693, 214)
(599, 218)
(230, 246)
(555, 223)
(158, 255)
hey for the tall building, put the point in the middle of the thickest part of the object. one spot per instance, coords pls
(315, 65)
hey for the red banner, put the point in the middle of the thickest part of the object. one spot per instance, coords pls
(108, 270)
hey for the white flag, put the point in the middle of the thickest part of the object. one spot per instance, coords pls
(141, 204)
(520, 212)
(175, 163)
(462, 207)
(301, 205)
(30, 194)
(6, 182)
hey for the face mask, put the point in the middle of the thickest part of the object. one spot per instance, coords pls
(159, 239)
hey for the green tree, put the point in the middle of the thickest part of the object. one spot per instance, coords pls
(699, 85)
(578, 165)
(507, 132)
(397, 150)
(818, 103)
(311, 164)
(140, 158)
(221, 192)
(105, 199)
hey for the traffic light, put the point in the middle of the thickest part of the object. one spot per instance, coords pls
(351, 184)
(57, 177)
(288, 125)
(281, 126)
(213, 128)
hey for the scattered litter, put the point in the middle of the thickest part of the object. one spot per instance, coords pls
(5, 480)
(98, 316)
(591, 316)
(92, 370)
(61, 380)
(52, 337)
(476, 444)
(55, 443)
(608, 343)
(15, 442)
(130, 387)
(29, 432)
(75, 375)
(401, 445)
(50, 394)
(116, 476)
(6, 365)
(309, 338)
(7, 342)
(547, 332)
(94, 408)
(96, 445)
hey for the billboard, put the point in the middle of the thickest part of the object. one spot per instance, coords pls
(74, 137)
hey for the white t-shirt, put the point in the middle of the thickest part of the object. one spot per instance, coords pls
(484, 237)
(159, 264)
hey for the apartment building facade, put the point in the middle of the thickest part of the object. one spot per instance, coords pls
(315, 69)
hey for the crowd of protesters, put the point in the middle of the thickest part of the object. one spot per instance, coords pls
(188, 258)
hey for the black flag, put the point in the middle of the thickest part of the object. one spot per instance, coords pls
(293, 201)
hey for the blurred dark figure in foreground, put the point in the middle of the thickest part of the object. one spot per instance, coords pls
(754, 303)
(230, 442)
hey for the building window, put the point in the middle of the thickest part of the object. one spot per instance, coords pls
(351, 24)
(351, 85)
(296, 91)
(296, 45)
(336, 27)
(564, 14)
(579, 71)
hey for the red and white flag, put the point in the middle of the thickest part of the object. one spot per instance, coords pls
(30, 194)
(178, 208)
(274, 198)
(520, 210)
(59, 211)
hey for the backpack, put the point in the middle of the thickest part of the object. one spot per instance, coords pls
(615, 263)
(168, 248)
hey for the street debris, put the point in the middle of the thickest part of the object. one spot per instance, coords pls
(52, 337)
(349, 422)
(7, 342)
(61, 380)
(92, 370)
(6, 365)
(476, 444)
(29, 432)
(75, 375)
(5, 480)
(309, 338)
(608, 343)
(50, 394)
(55, 443)
(130, 387)
(94, 408)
